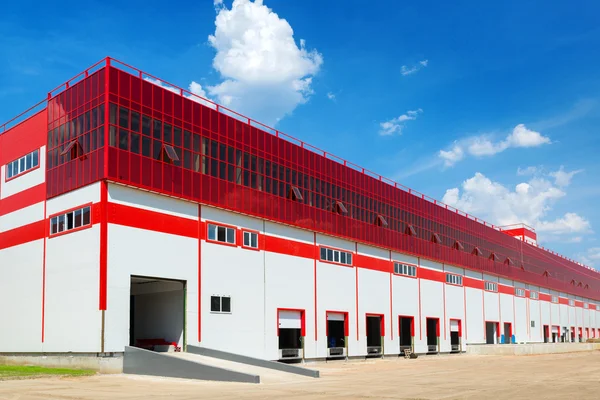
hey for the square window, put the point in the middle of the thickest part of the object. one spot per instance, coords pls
(226, 304)
(215, 303)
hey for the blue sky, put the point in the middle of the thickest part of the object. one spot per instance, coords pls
(510, 91)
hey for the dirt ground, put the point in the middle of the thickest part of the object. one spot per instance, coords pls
(560, 376)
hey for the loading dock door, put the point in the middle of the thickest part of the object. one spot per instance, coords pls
(555, 334)
(336, 334)
(490, 332)
(290, 334)
(407, 332)
(455, 335)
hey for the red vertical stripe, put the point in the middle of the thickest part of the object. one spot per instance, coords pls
(103, 243)
(315, 250)
(44, 275)
(200, 236)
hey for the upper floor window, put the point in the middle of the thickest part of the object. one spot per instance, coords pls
(454, 279)
(491, 286)
(555, 299)
(220, 304)
(23, 164)
(586, 305)
(405, 269)
(336, 256)
(534, 295)
(222, 234)
(71, 220)
(572, 302)
(251, 239)
(519, 292)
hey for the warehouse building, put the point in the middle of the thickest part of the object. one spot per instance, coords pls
(133, 213)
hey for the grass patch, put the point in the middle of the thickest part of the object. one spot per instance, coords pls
(26, 371)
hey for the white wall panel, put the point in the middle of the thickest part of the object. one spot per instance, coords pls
(491, 302)
(535, 315)
(21, 297)
(405, 302)
(76, 198)
(24, 216)
(455, 309)
(432, 306)
(474, 320)
(522, 325)
(73, 320)
(374, 298)
(119, 194)
(507, 313)
(25, 181)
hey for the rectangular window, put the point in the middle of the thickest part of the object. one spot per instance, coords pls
(222, 234)
(491, 286)
(519, 292)
(533, 324)
(336, 256)
(220, 304)
(251, 239)
(555, 299)
(572, 302)
(586, 305)
(454, 279)
(534, 295)
(405, 269)
(70, 221)
(23, 164)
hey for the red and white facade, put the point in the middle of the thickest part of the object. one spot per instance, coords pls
(75, 228)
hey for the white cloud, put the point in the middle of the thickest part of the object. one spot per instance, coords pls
(406, 70)
(531, 170)
(485, 146)
(528, 202)
(452, 156)
(591, 257)
(331, 96)
(563, 178)
(395, 125)
(194, 88)
(266, 74)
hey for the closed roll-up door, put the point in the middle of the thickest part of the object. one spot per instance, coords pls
(453, 326)
(555, 329)
(290, 320)
(335, 317)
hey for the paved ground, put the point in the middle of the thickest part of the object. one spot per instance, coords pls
(562, 376)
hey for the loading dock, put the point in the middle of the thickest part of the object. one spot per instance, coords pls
(157, 313)
(546, 333)
(406, 333)
(375, 333)
(291, 331)
(455, 335)
(572, 334)
(507, 336)
(564, 337)
(433, 335)
(555, 334)
(580, 335)
(337, 334)
(492, 332)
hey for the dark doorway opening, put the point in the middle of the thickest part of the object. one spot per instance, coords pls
(455, 332)
(507, 333)
(290, 334)
(374, 334)
(433, 332)
(546, 333)
(157, 313)
(406, 333)
(490, 332)
(336, 334)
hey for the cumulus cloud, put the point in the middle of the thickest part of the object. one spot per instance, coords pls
(331, 96)
(527, 202)
(486, 146)
(409, 70)
(194, 87)
(395, 125)
(531, 170)
(266, 73)
(563, 178)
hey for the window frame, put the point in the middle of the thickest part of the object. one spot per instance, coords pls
(534, 295)
(25, 171)
(490, 286)
(519, 290)
(340, 251)
(457, 278)
(554, 299)
(409, 265)
(251, 232)
(220, 297)
(64, 214)
(216, 241)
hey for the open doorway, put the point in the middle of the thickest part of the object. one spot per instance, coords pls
(580, 335)
(491, 332)
(546, 333)
(572, 334)
(433, 334)
(555, 334)
(157, 313)
(291, 333)
(374, 335)
(407, 333)
(337, 334)
(507, 333)
(455, 333)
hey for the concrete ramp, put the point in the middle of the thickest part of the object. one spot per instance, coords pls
(145, 362)
(256, 362)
